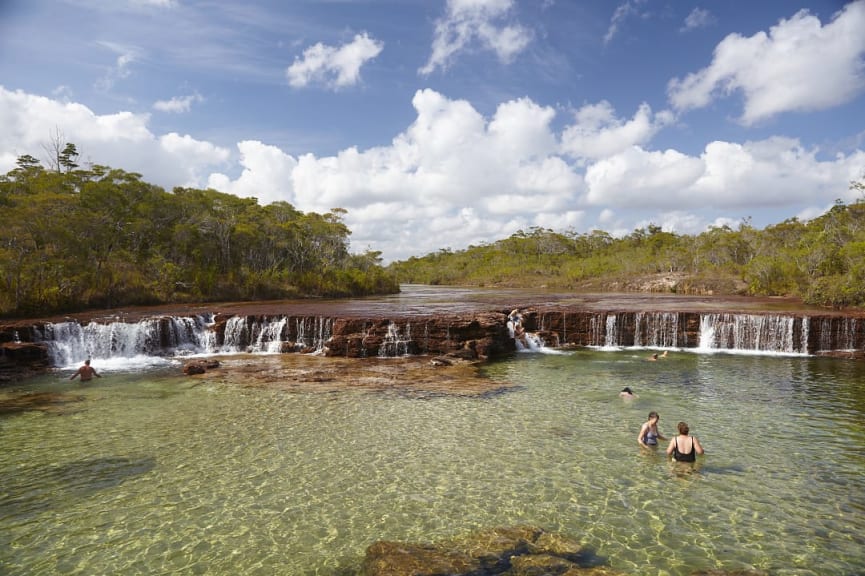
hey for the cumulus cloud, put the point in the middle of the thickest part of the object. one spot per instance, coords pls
(597, 132)
(798, 65)
(266, 174)
(452, 178)
(177, 104)
(122, 140)
(775, 172)
(470, 22)
(333, 66)
(456, 177)
(638, 178)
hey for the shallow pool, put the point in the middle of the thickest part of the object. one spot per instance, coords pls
(151, 473)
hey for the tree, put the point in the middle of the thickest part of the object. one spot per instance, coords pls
(68, 157)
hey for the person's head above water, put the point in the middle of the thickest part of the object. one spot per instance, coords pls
(627, 390)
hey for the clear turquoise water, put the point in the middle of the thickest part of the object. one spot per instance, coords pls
(151, 474)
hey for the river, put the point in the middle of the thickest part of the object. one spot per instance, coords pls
(147, 472)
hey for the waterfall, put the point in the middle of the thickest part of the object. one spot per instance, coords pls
(611, 334)
(249, 334)
(313, 333)
(394, 343)
(70, 342)
(530, 342)
(656, 330)
(596, 337)
(838, 333)
(752, 332)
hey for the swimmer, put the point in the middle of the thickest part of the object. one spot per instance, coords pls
(87, 372)
(684, 448)
(649, 435)
(627, 394)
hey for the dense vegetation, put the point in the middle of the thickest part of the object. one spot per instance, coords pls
(821, 261)
(75, 238)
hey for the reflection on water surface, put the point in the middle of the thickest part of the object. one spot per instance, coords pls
(158, 474)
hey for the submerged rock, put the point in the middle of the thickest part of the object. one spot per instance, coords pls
(508, 551)
(713, 572)
(503, 551)
(200, 366)
(46, 402)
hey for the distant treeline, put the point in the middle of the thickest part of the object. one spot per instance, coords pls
(821, 261)
(73, 238)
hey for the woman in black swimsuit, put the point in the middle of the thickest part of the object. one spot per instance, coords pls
(684, 448)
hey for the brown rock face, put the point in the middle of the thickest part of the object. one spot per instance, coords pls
(468, 336)
(22, 359)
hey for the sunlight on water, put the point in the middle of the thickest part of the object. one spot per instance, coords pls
(153, 473)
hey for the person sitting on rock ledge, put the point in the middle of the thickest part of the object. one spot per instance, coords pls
(515, 316)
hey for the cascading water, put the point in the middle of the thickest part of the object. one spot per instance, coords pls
(604, 331)
(752, 332)
(395, 344)
(313, 333)
(611, 334)
(839, 333)
(261, 336)
(70, 342)
(656, 330)
(161, 338)
(597, 330)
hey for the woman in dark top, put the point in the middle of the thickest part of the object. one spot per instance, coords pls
(684, 448)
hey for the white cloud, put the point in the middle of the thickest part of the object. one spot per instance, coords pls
(334, 67)
(455, 177)
(779, 171)
(467, 21)
(771, 173)
(799, 65)
(177, 104)
(450, 179)
(598, 133)
(266, 174)
(698, 18)
(121, 140)
(637, 178)
(622, 13)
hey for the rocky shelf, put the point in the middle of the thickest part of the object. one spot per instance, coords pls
(451, 323)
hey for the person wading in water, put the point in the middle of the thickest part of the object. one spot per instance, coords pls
(87, 372)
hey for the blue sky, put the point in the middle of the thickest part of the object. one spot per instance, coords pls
(446, 123)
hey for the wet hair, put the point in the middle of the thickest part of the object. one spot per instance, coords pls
(653, 414)
(683, 428)
(626, 389)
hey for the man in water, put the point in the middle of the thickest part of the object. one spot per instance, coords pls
(87, 372)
